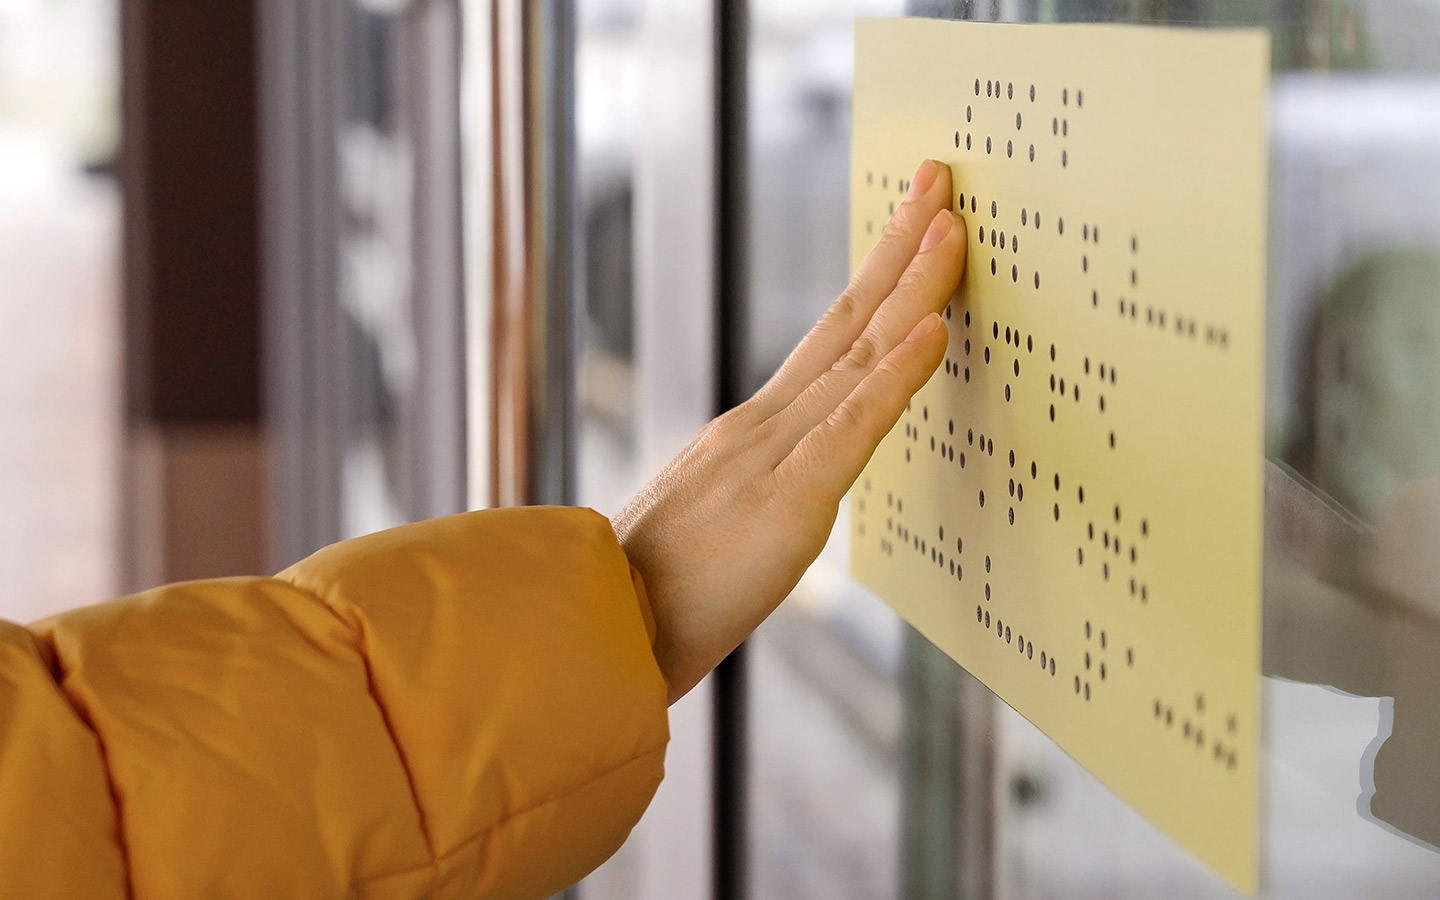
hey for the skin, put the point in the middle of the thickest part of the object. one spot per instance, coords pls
(724, 532)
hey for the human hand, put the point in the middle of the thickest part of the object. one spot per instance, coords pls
(727, 528)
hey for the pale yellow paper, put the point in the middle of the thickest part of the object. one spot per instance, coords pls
(1145, 595)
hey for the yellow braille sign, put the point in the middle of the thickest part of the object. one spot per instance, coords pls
(1072, 507)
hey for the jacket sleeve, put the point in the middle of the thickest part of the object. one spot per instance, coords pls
(467, 707)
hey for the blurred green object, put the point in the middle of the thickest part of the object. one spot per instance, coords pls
(1377, 379)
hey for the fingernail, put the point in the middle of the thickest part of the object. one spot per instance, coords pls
(924, 328)
(939, 227)
(924, 177)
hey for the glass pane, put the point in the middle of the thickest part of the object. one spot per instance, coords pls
(1351, 597)
(60, 309)
(825, 670)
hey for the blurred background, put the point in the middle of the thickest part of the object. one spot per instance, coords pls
(278, 272)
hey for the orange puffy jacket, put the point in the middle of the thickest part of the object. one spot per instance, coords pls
(465, 707)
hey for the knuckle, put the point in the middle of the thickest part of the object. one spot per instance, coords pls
(864, 354)
(846, 418)
(850, 305)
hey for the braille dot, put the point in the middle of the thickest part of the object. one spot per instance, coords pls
(957, 139)
(967, 374)
(1079, 98)
(979, 613)
(987, 356)
(869, 177)
(1007, 393)
(1130, 656)
(967, 318)
(1017, 121)
(990, 447)
(992, 266)
(1032, 93)
(1145, 527)
(1012, 487)
(907, 454)
(1144, 594)
(1015, 274)
(1032, 152)
(1037, 280)
(969, 112)
(987, 592)
(1081, 493)
(968, 145)
(1055, 126)
(989, 88)
(994, 209)
(1020, 492)
(982, 499)
(1112, 440)
(1052, 352)
(970, 437)
(1052, 667)
(1065, 128)
(1034, 471)
(1010, 91)
(959, 545)
(977, 87)
(1085, 263)
(1009, 148)
(1064, 158)
(1080, 555)
(1057, 512)
(987, 618)
(1007, 634)
(1012, 515)
(973, 204)
(1057, 481)
(988, 146)
(1037, 220)
(1052, 412)
(1029, 650)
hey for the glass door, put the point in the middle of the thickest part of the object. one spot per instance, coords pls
(878, 768)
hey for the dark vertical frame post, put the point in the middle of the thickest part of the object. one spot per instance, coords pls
(554, 350)
(731, 282)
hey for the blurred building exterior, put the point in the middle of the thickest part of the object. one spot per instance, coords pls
(387, 259)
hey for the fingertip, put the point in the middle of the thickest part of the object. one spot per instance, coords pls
(939, 230)
(924, 328)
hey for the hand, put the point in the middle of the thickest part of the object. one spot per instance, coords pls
(727, 528)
